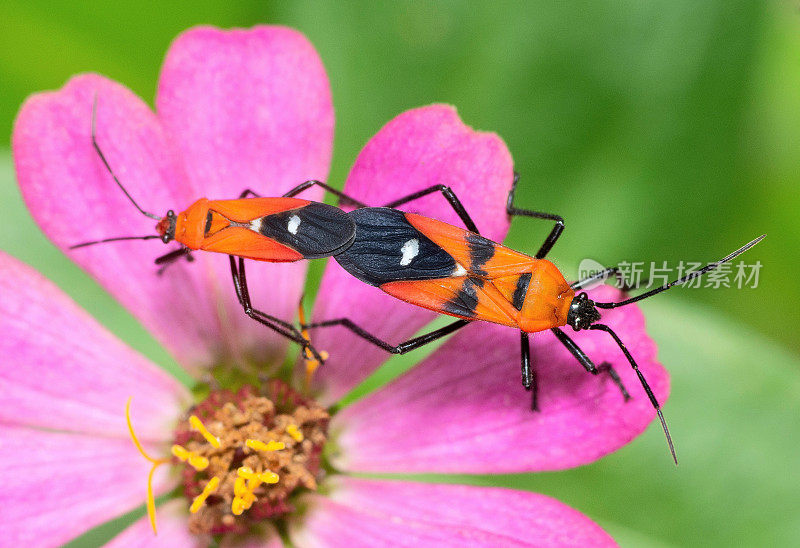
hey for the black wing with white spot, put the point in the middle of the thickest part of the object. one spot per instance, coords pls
(387, 248)
(315, 230)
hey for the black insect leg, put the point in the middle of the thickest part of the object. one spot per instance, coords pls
(516, 211)
(281, 327)
(446, 191)
(247, 192)
(528, 376)
(643, 381)
(449, 195)
(170, 258)
(336, 192)
(588, 364)
(401, 348)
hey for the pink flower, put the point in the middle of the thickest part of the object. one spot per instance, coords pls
(252, 109)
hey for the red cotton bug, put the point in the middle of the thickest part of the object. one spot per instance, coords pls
(284, 229)
(457, 272)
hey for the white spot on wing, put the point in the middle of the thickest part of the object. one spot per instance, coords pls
(255, 225)
(410, 250)
(294, 223)
(459, 271)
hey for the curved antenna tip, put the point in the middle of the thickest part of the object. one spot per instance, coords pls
(669, 437)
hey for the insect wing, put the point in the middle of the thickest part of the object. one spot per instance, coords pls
(478, 255)
(314, 230)
(465, 297)
(309, 229)
(245, 243)
(245, 210)
(387, 248)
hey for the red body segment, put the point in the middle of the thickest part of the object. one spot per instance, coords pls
(216, 225)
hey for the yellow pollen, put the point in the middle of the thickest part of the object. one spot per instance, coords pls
(198, 462)
(197, 425)
(180, 452)
(269, 477)
(271, 445)
(237, 506)
(200, 499)
(239, 487)
(293, 431)
(245, 472)
(151, 501)
(243, 487)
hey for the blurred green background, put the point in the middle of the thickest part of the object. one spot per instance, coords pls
(660, 131)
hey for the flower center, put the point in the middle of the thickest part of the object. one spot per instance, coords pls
(245, 453)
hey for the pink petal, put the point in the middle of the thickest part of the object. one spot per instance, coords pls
(64, 371)
(173, 531)
(397, 513)
(249, 109)
(418, 149)
(57, 486)
(463, 409)
(74, 199)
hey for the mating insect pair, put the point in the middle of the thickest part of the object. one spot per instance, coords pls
(414, 258)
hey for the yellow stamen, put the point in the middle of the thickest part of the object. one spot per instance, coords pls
(269, 477)
(245, 472)
(258, 445)
(197, 425)
(243, 487)
(151, 501)
(237, 506)
(200, 499)
(293, 431)
(311, 362)
(179, 452)
(135, 439)
(239, 487)
(198, 462)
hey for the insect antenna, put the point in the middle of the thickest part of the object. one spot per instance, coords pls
(647, 389)
(117, 239)
(108, 166)
(692, 275)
